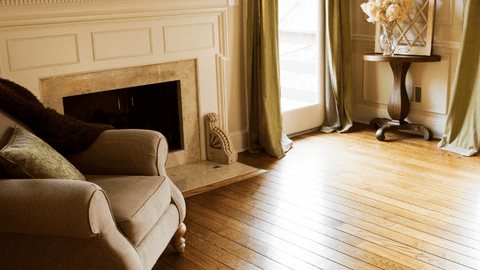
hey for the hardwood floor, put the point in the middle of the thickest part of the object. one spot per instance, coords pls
(341, 201)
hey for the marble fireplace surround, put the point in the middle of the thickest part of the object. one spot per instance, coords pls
(55, 88)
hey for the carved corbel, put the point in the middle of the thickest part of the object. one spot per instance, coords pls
(220, 147)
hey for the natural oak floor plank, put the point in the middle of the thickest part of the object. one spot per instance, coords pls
(318, 256)
(340, 201)
(249, 240)
(296, 204)
(382, 235)
(395, 211)
(429, 187)
(369, 221)
(321, 226)
(388, 199)
(232, 247)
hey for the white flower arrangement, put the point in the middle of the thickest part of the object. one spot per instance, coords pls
(388, 11)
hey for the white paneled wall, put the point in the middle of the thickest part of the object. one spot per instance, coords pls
(373, 81)
(42, 39)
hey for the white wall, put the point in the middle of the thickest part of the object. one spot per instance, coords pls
(235, 73)
(373, 81)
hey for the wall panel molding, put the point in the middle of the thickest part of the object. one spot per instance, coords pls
(436, 43)
(182, 38)
(39, 52)
(221, 58)
(223, 35)
(449, 14)
(123, 43)
(447, 44)
(222, 92)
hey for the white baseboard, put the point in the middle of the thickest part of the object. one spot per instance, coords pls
(363, 113)
(239, 140)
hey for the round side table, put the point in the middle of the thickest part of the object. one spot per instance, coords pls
(398, 104)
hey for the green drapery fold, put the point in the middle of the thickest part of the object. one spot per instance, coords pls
(462, 130)
(263, 79)
(338, 94)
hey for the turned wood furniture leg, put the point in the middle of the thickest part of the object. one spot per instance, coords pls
(398, 104)
(178, 242)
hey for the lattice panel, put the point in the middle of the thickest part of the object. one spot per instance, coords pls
(414, 29)
(416, 32)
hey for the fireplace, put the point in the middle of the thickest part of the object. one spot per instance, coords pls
(58, 49)
(152, 106)
(117, 85)
(69, 49)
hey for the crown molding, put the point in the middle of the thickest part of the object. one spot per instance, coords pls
(18, 15)
(161, 2)
(40, 2)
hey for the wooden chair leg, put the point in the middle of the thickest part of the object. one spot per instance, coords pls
(178, 242)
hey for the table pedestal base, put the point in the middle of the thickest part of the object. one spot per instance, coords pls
(384, 125)
(398, 104)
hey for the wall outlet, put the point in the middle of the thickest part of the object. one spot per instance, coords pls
(414, 93)
(418, 94)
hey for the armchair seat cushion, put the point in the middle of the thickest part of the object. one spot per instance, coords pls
(137, 202)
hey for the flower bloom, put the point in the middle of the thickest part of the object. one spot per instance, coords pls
(387, 11)
(394, 12)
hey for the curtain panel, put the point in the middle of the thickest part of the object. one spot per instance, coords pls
(338, 92)
(263, 79)
(462, 130)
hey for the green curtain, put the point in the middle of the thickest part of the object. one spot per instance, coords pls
(338, 92)
(263, 79)
(462, 130)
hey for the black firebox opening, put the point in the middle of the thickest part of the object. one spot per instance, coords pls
(155, 106)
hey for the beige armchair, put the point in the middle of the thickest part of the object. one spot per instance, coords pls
(122, 217)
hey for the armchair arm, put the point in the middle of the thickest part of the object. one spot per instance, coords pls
(124, 152)
(56, 207)
(53, 207)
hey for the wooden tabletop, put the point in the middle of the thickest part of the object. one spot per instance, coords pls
(378, 57)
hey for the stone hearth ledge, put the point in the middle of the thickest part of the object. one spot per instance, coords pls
(199, 177)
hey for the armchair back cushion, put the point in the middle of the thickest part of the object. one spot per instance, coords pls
(124, 152)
